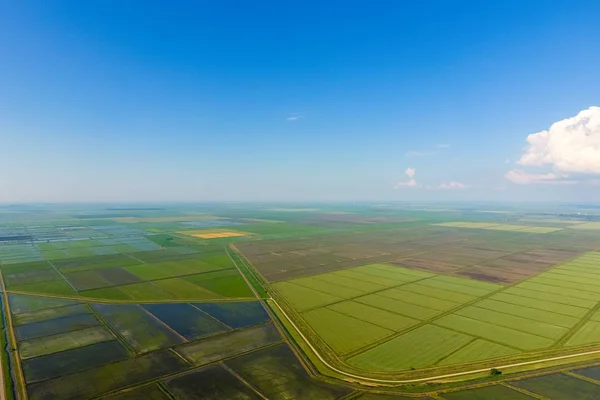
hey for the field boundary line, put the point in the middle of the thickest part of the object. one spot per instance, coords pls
(21, 391)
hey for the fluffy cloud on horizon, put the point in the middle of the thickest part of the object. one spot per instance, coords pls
(569, 147)
(410, 173)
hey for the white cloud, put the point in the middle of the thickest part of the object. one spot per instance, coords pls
(409, 183)
(442, 145)
(521, 177)
(569, 146)
(453, 185)
(410, 173)
(294, 117)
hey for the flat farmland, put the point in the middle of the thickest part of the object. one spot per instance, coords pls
(160, 304)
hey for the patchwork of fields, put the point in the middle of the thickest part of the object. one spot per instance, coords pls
(126, 304)
(375, 316)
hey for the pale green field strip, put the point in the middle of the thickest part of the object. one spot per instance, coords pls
(553, 281)
(508, 227)
(453, 287)
(352, 283)
(591, 276)
(419, 299)
(342, 332)
(377, 280)
(303, 298)
(541, 295)
(586, 226)
(511, 337)
(398, 307)
(529, 313)
(478, 350)
(402, 270)
(419, 348)
(63, 341)
(383, 273)
(571, 278)
(541, 304)
(574, 293)
(326, 287)
(588, 334)
(514, 322)
(540, 229)
(374, 315)
(438, 293)
(595, 316)
(500, 227)
(467, 224)
(582, 271)
(488, 287)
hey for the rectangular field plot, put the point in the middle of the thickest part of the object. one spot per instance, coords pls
(420, 299)
(303, 298)
(150, 392)
(102, 261)
(500, 227)
(589, 333)
(236, 314)
(212, 382)
(540, 304)
(223, 346)
(186, 320)
(173, 268)
(97, 381)
(49, 313)
(229, 284)
(342, 332)
(514, 322)
(327, 287)
(398, 354)
(144, 291)
(180, 288)
(528, 313)
(54, 326)
(559, 386)
(398, 307)
(142, 332)
(278, 375)
(510, 337)
(495, 392)
(19, 253)
(478, 350)
(75, 360)
(59, 287)
(375, 316)
(94, 279)
(63, 341)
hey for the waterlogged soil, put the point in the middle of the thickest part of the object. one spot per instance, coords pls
(229, 344)
(236, 314)
(277, 374)
(211, 383)
(140, 330)
(25, 304)
(75, 360)
(54, 326)
(97, 381)
(151, 392)
(186, 320)
(49, 313)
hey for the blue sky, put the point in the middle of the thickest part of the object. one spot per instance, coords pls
(312, 100)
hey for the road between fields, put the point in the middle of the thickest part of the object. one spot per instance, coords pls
(431, 378)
